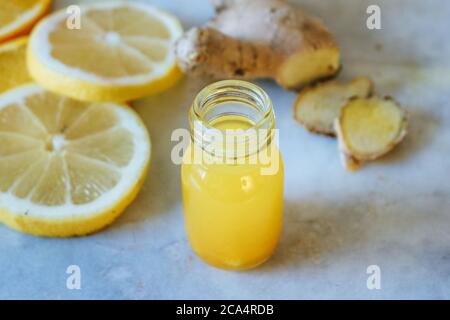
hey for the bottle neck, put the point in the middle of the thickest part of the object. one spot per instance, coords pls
(232, 119)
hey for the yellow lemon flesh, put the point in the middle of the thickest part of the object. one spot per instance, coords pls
(13, 69)
(17, 17)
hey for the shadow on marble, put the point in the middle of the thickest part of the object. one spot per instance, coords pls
(317, 232)
(328, 227)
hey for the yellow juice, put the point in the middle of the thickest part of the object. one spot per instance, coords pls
(233, 212)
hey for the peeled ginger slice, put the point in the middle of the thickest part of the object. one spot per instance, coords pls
(318, 106)
(368, 129)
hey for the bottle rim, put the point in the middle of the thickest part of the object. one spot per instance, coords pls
(233, 87)
(232, 91)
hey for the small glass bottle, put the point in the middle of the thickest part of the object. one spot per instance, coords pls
(232, 176)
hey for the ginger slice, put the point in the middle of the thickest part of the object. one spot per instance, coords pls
(318, 106)
(368, 129)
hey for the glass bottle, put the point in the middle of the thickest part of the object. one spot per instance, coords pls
(233, 176)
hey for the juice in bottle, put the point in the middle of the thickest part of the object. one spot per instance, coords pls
(233, 192)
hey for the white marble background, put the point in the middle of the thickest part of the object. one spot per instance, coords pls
(394, 213)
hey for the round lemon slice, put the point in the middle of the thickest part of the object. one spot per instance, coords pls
(115, 51)
(17, 17)
(67, 167)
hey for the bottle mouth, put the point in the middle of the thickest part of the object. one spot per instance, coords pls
(232, 99)
(207, 103)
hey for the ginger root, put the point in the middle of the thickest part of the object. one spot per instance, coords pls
(251, 39)
(368, 129)
(318, 106)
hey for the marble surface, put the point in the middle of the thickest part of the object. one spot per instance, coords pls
(394, 213)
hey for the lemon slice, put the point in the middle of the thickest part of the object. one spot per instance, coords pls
(13, 69)
(121, 52)
(66, 167)
(18, 16)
